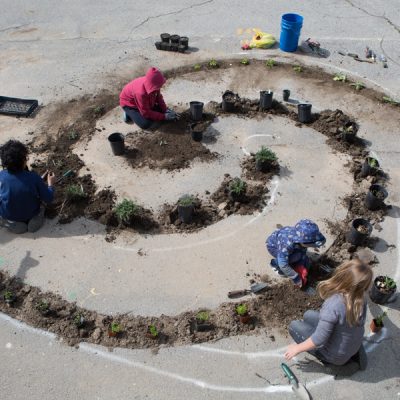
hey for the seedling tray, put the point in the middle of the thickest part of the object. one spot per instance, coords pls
(15, 106)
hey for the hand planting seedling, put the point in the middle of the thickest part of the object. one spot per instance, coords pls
(213, 64)
(237, 186)
(43, 307)
(340, 78)
(298, 68)
(203, 316)
(186, 200)
(358, 85)
(270, 63)
(75, 193)
(244, 61)
(125, 210)
(197, 67)
(79, 320)
(152, 330)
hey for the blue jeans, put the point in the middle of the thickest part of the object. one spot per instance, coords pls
(137, 118)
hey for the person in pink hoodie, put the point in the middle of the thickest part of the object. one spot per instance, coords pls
(143, 102)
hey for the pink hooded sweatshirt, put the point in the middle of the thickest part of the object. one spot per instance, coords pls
(144, 94)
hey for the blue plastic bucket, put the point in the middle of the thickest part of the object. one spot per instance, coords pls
(290, 32)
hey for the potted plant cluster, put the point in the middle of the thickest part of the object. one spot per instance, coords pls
(186, 208)
(242, 311)
(265, 159)
(377, 323)
(383, 289)
(173, 43)
(237, 190)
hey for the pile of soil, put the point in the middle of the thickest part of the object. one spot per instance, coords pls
(250, 172)
(275, 308)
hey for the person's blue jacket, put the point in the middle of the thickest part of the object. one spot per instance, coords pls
(285, 245)
(21, 195)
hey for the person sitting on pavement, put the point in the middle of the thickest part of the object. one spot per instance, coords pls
(143, 102)
(22, 191)
(334, 335)
(288, 246)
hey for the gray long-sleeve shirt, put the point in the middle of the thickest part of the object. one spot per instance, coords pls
(335, 339)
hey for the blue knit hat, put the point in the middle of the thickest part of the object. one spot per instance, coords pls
(308, 232)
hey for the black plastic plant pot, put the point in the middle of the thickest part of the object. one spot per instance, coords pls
(376, 294)
(185, 213)
(359, 232)
(181, 48)
(173, 46)
(165, 46)
(263, 166)
(304, 113)
(174, 39)
(158, 45)
(203, 326)
(375, 198)
(184, 41)
(228, 101)
(367, 169)
(165, 37)
(196, 110)
(286, 94)
(266, 99)
(117, 143)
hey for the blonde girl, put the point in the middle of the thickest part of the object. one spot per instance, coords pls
(334, 334)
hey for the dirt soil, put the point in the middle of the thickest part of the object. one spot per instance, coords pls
(250, 172)
(274, 308)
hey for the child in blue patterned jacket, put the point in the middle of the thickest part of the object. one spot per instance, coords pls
(288, 246)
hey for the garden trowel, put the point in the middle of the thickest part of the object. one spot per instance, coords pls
(298, 389)
(255, 288)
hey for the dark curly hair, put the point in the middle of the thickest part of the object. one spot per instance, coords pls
(13, 155)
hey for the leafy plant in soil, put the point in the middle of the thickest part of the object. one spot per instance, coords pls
(340, 78)
(237, 186)
(244, 61)
(372, 162)
(79, 320)
(75, 193)
(265, 155)
(202, 316)
(241, 309)
(298, 68)
(115, 329)
(389, 100)
(197, 67)
(8, 296)
(186, 200)
(152, 331)
(270, 63)
(43, 307)
(389, 283)
(98, 110)
(213, 64)
(358, 85)
(125, 210)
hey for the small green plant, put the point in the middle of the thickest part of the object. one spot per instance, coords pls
(265, 155)
(73, 135)
(358, 85)
(244, 61)
(270, 63)
(98, 110)
(125, 210)
(203, 316)
(340, 78)
(298, 68)
(237, 186)
(241, 309)
(372, 162)
(389, 283)
(79, 320)
(8, 296)
(213, 63)
(153, 331)
(186, 200)
(379, 319)
(197, 67)
(389, 100)
(115, 327)
(75, 192)
(42, 306)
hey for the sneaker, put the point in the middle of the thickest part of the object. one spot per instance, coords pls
(126, 119)
(275, 268)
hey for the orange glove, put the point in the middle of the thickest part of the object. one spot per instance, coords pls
(303, 273)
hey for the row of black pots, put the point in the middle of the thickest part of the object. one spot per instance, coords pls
(170, 47)
(175, 39)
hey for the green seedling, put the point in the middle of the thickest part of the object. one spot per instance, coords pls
(8, 296)
(203, 316)
(197, 67)
(244, 61)
(73, 135)
(126, 210)
(241, 309)
(42, 306)
(389, 100)
(358, 85)
(265, 155)
(75, 193)
(116, 327)
(372, 162)
(153, 331)
(237, 186)
(270, 63)
(98, 110)
(213, 64)
(186, 200)
(79, 320)
(389, 283)
(379, 319)
(340, 78)
(298, 68)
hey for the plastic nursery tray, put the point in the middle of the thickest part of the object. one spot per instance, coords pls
(15, 106)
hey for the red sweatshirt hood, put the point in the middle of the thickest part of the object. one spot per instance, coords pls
(154, 80)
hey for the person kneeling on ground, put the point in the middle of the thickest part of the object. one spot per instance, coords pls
(143, 102)
(22, 191)
(288, 246)
(334, 335)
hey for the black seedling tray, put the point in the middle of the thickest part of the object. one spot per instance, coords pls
(14, 106)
